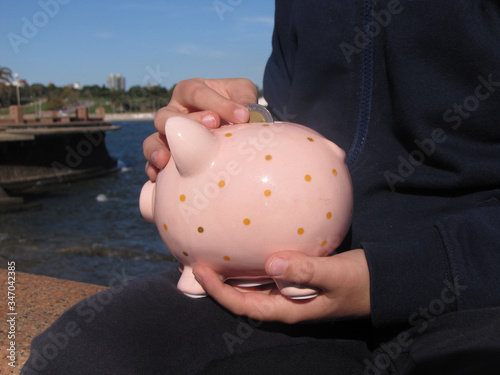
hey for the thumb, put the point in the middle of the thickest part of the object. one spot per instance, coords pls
(299, 268)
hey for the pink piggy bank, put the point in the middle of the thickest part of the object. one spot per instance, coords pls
(231, 196)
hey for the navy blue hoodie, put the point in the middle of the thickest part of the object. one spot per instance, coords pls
(411, 91)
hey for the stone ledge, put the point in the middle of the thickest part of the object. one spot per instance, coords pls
(39, 301)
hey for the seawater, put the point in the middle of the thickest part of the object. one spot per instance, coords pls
(91, 230)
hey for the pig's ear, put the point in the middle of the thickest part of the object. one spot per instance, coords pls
(192, 146)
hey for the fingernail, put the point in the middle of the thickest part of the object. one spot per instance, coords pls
(154, 155)
(277, 267)
(209, 121)
(241, 115)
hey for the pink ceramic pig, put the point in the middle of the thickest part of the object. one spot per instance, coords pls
(232, 196)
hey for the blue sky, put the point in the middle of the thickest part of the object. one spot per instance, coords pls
(148, 42)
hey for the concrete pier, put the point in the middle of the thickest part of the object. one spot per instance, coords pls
(37, 153)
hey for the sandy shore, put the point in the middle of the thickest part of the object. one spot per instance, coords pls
(38, 301)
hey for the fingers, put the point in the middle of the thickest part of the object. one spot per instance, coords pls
(197, 95)
(298, 268)
(343, 279)
(239, 90)
(210, 119)
(266, 305)
(262, 306)
(209, 101)
(156, 152)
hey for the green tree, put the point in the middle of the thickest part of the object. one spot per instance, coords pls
(55, 103)
(5, 75)
(5, 87)
(38, 90)
(70, 96)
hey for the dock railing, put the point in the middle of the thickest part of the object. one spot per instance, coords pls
(17, 117)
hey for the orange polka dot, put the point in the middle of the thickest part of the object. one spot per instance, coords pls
(310, 139)
(200, 230)
(267, 193)
(165, 226)
(185, 254)
(265, 124)
(300, 231)
(308, 177)
(246, 221)
(227, 259)
(229, 134)
(269, 157)
(222, 184)
(334, 172)
(323, 244)
(329, 215)
(182, 197)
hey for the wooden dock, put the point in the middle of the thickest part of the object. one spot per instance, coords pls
(39, 153)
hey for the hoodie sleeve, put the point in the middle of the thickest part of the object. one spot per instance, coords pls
(453, 265)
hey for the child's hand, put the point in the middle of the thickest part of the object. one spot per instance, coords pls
(344, 281)
(207, 101)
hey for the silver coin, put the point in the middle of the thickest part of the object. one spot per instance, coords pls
(259, 113)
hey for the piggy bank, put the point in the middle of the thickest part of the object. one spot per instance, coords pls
(231, 196)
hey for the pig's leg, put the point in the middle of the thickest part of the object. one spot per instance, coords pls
(295, 291)
(188, 285)
(250, 282)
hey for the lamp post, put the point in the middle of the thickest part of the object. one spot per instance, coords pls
(16, 82)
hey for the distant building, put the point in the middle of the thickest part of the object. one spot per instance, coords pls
(116, 82)
(77, 86)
